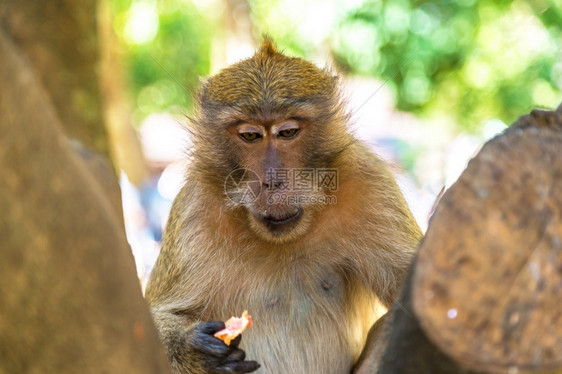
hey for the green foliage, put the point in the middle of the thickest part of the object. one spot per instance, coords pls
(470, 60)
(167, 48)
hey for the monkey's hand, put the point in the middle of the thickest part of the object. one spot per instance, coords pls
(198, 348)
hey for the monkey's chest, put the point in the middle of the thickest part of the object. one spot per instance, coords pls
(307, 324)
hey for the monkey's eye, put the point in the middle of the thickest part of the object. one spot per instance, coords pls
(289, 133)
(250, 136)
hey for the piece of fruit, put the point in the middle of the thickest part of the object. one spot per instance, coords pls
(234, 327)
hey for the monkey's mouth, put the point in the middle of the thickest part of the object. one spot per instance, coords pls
(274, 221)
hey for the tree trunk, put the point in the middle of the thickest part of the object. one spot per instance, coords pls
(59, 39)
(70, 299)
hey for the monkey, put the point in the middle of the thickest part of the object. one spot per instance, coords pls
(314, 263)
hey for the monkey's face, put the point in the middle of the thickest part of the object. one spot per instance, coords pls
(265, 127)
(275, 182)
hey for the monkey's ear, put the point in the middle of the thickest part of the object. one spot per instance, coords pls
(268, 47)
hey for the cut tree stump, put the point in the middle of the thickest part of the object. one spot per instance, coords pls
(487, 284)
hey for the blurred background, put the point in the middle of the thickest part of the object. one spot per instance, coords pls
(427, 82)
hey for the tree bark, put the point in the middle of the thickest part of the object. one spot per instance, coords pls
(70, 299)
(59, 39)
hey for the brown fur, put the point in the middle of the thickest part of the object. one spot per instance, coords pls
(313, 290)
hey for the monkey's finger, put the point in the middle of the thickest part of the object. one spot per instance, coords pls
(239, 367)
(235, 342)
(209, 327)
(236, 355)
(208, 344)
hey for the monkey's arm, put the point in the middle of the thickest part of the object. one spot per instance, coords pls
(393, 232)
(193, 349)
(177, 292)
